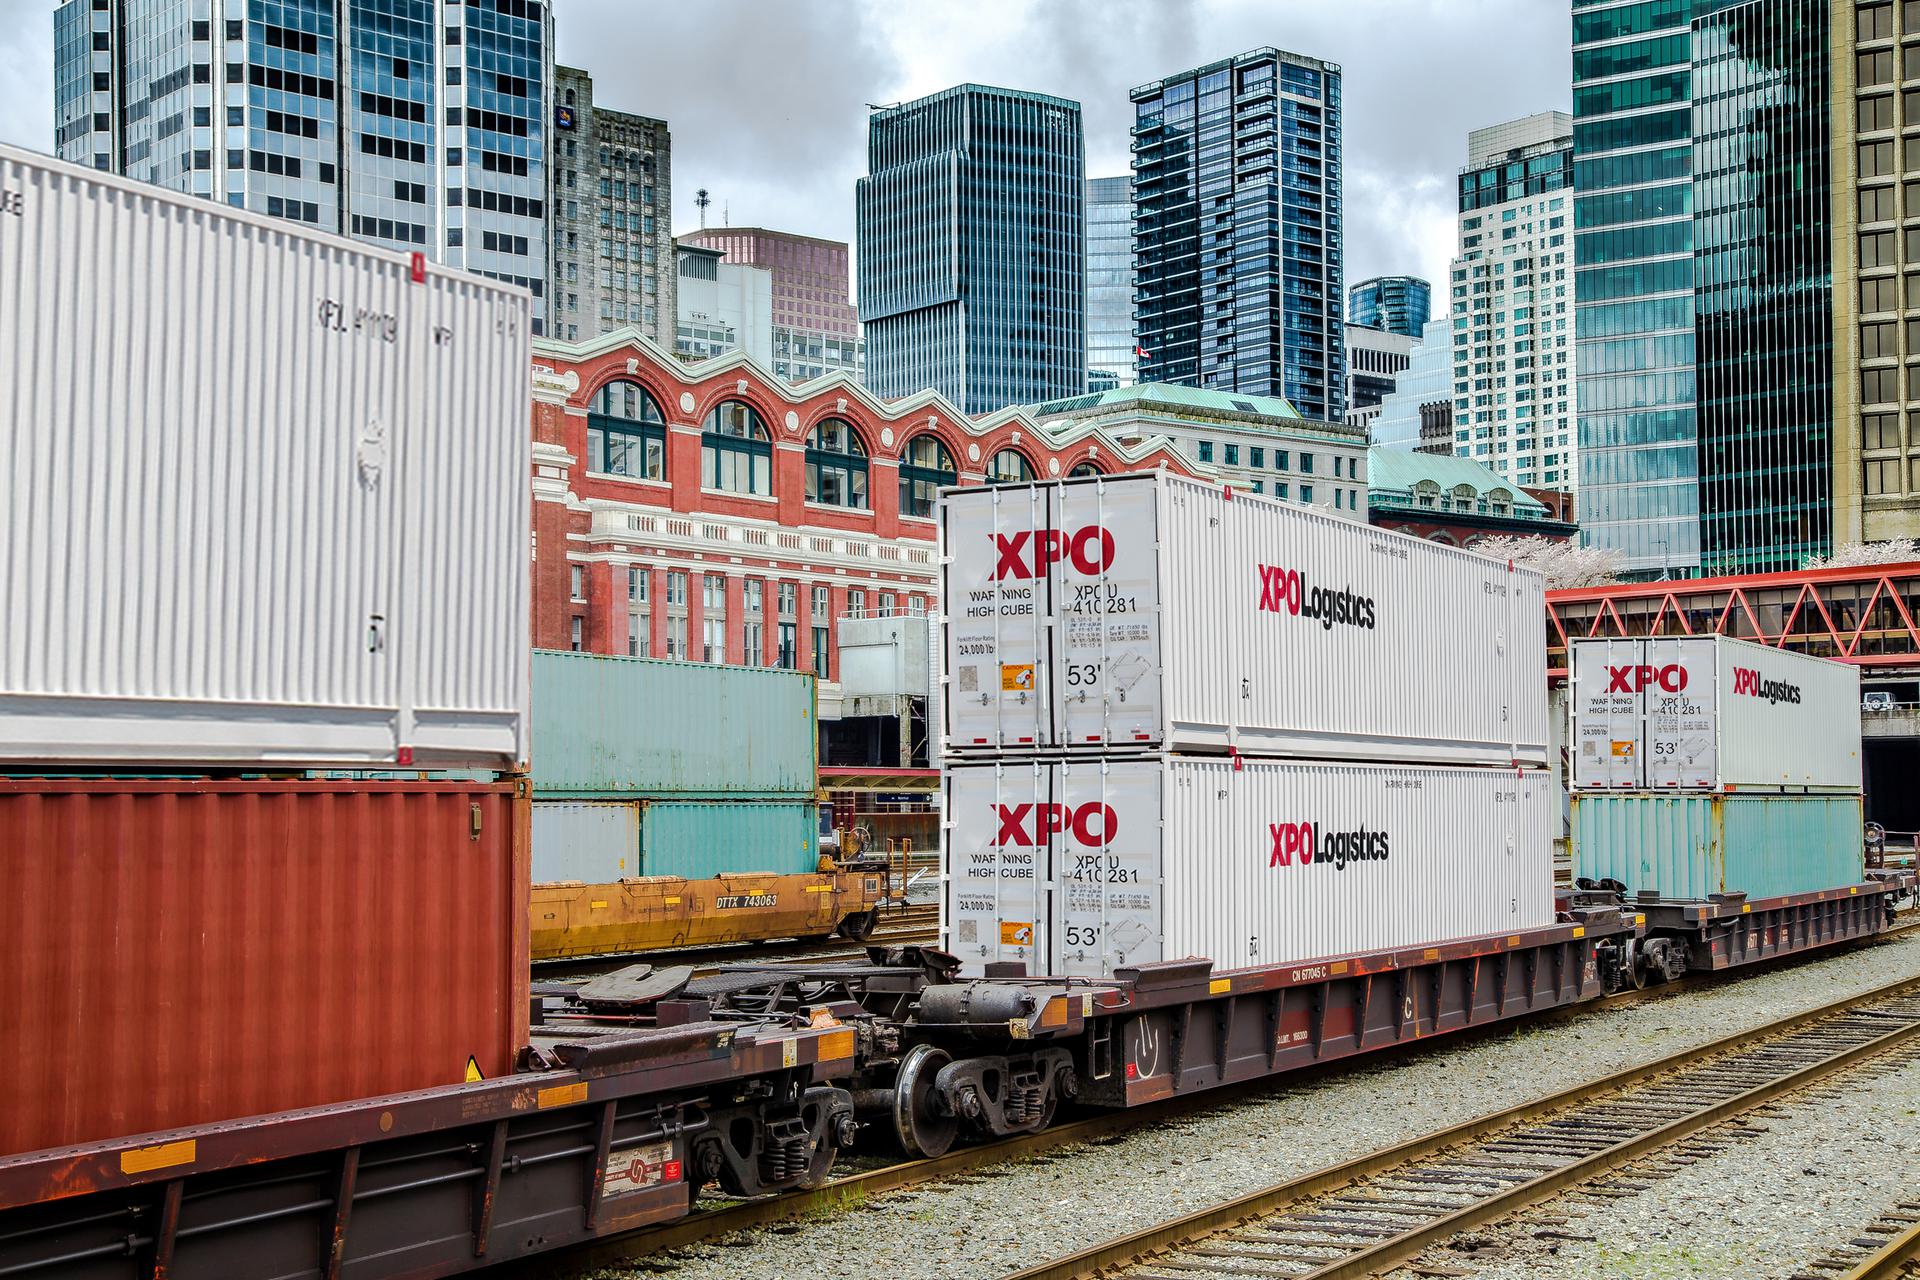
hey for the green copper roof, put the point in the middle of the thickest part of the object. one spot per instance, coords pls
(1395, 470)
(1227, 403)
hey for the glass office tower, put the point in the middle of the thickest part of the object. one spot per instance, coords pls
(1110, 340)
(1633, 283)
(1397, 304)
(972, 248)
(1237, 229)
(1763, 283)
(406, 123)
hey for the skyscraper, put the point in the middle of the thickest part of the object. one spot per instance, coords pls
(1512, 302)
(1704, 282)
(1876, 325)
(611, 200)
(1110, 338)
(1763, 284)
(1237, 229)
(1397, 304)
(816, 331)
(972, 254)
(1375, 360)
(400, 122)
(1633, 243)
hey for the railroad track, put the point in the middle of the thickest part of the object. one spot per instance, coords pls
(718, 1218)
(1888, 1248)
(1366, 1216)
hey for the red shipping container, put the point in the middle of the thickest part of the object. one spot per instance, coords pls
(179, 952)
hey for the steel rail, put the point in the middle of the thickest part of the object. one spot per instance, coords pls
(1890, 1261)
(1132, 1250)
(839, 1193)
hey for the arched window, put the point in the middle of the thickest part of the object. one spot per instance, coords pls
(1426, 493)
(925, 465)
(1500, 500)
(836, 465)
(1009, 466)
(1084, 467)
(736, 453)
(626, 433)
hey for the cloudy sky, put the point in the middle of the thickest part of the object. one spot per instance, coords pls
(767, 98)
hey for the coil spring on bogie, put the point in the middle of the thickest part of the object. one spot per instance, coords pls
(783, 1159)
(1025, 1104)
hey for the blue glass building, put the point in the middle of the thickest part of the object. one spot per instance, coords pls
(972, 248)
(1704, 282)
(1633, 283)
(1397, 304)
(407, 123)
(1237, 229)
(1110, 338)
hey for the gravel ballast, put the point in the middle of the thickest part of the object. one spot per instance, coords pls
(1014, 1215)
(1761, 1208)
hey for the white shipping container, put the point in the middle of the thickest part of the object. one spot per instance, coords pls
(1152, 612)
(1711, 713)
(268, 489)
(1083, 866)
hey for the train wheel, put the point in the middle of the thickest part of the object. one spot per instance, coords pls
(859, 925)
(917, 1127)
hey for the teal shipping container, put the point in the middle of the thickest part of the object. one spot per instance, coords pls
(629, 727)
(1690, 846)
(601, 841)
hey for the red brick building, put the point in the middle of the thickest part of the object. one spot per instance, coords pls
(714, 512)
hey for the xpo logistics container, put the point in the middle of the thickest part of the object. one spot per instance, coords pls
(1711, 713)
(268, 497)
(1082, 866)
(1150, 612)
(267, 511)
(1107, 640)
(1709, 765)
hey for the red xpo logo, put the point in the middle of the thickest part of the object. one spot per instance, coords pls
(1028, 554)
(1747, 682)
(1027, 825)
(1305, 843)
(1286, 591)
(1672, 678)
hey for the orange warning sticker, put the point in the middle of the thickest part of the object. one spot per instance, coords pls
(1016, 677)
(164, 1156)
(1016, 933)
(1622, 749)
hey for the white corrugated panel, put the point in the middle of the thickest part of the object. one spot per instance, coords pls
(1786, 720)
(1711, 713)
(268, 496)
(1271, 863)
(595, 842)
(1185, 620)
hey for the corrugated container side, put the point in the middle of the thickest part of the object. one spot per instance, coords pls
(592, 841)
(1083, 866)
(1788, 720)
(185, 952)
(1691, 846)
(698, 839)
(270, 505)
(633, 727)
(1185, 620)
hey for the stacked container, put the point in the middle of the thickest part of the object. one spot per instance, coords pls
(267, 515)
(1705, 765)
(1180, 721)
(644, 767)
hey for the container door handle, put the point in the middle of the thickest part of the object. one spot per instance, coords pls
(376, 633)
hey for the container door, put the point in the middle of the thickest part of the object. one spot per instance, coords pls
(995, 855)
(1106, 866)
(1677, 682)
(1104, 547)
(996, 584)
(1609, 716)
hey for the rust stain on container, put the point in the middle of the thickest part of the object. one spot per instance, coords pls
(182, 952)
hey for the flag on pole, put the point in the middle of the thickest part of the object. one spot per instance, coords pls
(1140, 353)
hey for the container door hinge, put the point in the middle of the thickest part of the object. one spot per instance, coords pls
(474, 817)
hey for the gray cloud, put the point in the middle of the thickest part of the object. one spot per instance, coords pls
(766, 100)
